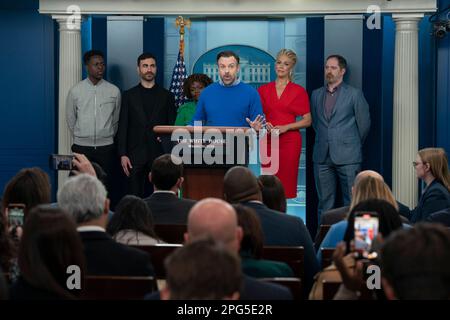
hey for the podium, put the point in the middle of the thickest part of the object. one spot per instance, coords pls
(207, 154)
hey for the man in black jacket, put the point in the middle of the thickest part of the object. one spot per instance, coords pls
(84, 197)
(167, 178)
(143, 107)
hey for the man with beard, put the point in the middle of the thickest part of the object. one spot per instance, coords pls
(341, 120)
(143, 107)
(92, 114)
(229, 102)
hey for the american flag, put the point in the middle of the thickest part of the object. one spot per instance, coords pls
(178, 77)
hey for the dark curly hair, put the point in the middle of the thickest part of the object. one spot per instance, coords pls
(196, 77)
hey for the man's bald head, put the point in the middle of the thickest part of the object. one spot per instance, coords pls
(217, 219)
(367, 173)
(240, 185)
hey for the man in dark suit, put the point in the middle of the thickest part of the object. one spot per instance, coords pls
(84, 197)
(341, 120)
(167, 178)
(143, 107)
(280, 229)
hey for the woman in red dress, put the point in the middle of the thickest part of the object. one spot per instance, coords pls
(283, 101)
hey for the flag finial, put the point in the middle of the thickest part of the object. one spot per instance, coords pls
(181, 23)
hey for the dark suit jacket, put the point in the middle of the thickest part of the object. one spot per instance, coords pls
(344, 133)
(252, 289)
(135, 137)
(435, 198)
(169, 209)
(281, 229)
(105, 257)
(22, 290)
(442, 217)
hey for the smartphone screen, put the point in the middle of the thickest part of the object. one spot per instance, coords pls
(61, 162)
(366, 229)
(15, 215)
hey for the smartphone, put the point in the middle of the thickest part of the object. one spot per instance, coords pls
(61, 162)
(366, 229)
(16, 214)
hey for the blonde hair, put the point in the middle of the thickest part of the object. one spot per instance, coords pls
(369, 187)
(291, 55)
(438, 161)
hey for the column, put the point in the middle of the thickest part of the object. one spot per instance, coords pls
(69, 74)
(406, 108)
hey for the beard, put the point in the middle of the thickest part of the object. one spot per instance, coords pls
(330, 78)
(148, 76)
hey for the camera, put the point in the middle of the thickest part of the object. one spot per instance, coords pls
(366, 229)
(16, 214)
(61, 162)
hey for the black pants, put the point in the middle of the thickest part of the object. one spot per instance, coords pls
(103, 156)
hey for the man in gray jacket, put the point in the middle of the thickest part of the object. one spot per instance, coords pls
(92, 114)
(341, 120)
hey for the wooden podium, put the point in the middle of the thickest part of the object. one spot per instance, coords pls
(202, 180)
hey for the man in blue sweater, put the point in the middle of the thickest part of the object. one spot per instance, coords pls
(230, 102)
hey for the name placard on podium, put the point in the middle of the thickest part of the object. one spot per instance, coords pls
(207, 153)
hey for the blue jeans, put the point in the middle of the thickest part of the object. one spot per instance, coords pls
(326, 175)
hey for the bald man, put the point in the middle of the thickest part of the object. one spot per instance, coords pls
(280, 229)
(217, 219)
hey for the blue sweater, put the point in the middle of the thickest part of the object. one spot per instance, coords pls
(228, 106)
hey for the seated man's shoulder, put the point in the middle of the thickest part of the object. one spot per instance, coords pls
(254, 289)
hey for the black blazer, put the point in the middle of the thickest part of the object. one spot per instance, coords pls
(435, 198)
(169, 209)
(281, 229)
(106, 257)
(135, 137)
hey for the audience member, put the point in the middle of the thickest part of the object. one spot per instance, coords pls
(389, 221)
(366, 187)
(217, 219)
(415, 263)
(84, 197)
(241, 186)
(49, 245)
(338, 214)
(442, 217)
(132, 223)
(8, 249)
(252, 245)
(432, 168)
(272, 190)
(167, 178)
(220, 276)
(30, 187)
